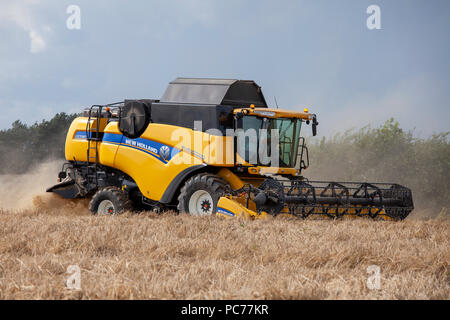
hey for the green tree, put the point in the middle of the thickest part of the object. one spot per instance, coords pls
(387, 154)
(23, 146)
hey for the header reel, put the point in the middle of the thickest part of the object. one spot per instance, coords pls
(303, 198)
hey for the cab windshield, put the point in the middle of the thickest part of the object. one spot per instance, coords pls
(288, 134)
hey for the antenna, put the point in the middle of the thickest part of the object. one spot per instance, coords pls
(276, 101)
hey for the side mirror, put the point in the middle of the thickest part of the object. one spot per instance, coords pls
(304, 154)
(314, 126)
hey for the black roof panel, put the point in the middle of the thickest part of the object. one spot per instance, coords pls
(238, 93)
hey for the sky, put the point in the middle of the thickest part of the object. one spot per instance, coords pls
(313, 53)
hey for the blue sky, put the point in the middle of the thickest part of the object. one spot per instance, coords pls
(313, 53)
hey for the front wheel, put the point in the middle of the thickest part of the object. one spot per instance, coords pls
(110, 201)
(200, 194)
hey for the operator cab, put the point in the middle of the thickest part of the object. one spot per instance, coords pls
(273, 125)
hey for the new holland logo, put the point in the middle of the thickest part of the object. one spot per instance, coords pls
(164, 152)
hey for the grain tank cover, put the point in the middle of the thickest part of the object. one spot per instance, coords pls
(237, 93)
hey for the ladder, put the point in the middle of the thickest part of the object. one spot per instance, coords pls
(92, 137)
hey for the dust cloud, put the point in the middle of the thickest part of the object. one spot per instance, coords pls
(27, 191)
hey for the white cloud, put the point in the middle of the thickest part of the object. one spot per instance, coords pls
(18, 12)
(37, 42)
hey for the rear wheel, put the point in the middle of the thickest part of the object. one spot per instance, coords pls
(200, 194)
(110, 201)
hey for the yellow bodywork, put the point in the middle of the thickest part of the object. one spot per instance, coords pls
(141, 158)
(145, 162)
(230, 207)
(163, 151)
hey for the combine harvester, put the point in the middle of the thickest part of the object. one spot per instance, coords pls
(175, 154)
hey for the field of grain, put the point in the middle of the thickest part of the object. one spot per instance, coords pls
(149, 256)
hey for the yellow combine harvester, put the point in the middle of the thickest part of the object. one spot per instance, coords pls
(209, 146)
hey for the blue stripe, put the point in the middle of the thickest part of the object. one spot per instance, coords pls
(148, 146)
(80, 135)
(131, 147)
(112, 137)
(225, 211)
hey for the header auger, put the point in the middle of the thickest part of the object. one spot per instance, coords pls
(209, 146)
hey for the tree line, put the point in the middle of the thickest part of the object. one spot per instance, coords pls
(387, 154)
(24, 146)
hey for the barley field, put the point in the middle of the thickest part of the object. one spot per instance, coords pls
(169, 256)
